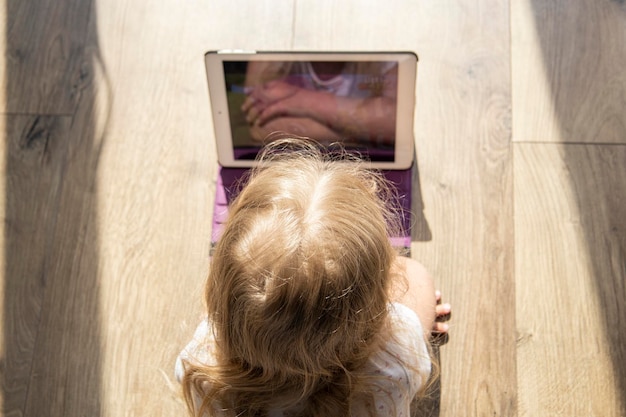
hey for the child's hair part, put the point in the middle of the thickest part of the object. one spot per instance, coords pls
(298, 289)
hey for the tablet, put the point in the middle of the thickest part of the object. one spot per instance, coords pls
(363, 100)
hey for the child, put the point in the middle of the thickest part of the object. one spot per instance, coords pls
(310, 311)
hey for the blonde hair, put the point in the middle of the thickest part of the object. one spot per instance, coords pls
(298, 289)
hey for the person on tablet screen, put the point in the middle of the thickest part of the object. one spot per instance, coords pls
(350, 101)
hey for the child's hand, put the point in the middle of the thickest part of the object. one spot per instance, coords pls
(442, 314)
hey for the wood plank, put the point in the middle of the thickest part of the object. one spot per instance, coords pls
(462, 129)
(66, 374)
(57, 205)
(44, 64)
(571, 271)
(568, 72)
(155, 187)
(32, 157)
(463, 148)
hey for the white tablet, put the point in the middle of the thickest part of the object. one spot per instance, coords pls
(364, 100)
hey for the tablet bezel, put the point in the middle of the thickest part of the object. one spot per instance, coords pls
(407, 74)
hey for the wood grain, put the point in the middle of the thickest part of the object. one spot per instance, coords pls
(155, 188)
(569, 83)
(571, 267)
(65, 375)
(32, 158)
(45, 68)
(465, 162)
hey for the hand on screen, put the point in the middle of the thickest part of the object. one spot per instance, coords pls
(355, 105)
(270, 100)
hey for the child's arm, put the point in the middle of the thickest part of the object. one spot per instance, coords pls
(413, 286)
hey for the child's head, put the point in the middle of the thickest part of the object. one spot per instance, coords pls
(299, 282)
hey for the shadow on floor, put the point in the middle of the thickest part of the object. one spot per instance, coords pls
(51, 310)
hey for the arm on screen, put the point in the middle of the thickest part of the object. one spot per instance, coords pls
(272, 99)
(300, 126)
(260, 73)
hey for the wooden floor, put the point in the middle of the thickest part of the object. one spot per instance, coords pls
(108, 165)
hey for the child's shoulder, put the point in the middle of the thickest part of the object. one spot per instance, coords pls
(407, 337)
(404, 359)
(199, 350)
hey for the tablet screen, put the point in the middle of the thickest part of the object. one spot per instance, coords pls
(352, 102)
(349, 102)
